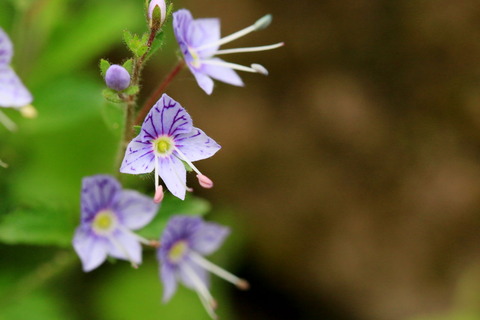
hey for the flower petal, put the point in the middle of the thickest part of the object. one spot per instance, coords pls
(173, 173)
(205, 31)
(92, 250)
(185, 270)
(134, 209)
(223, 74)
(166, 118)
(98, 192)
(125, 246)
(12, 91)
(203, 81)
(196, 145)
(6, 48)
(139, 157)
(209, 237)
(167, 275)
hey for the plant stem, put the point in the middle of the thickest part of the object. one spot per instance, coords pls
(158, 92)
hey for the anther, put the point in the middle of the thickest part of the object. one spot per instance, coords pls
(242, 284)
(259, 68)
(204, 181)
(158, 194)
(263, 22)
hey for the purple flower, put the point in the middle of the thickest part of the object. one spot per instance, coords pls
(108, 216)
(184, 242)
(12, 91)
(199, 41)
(117, 77)
(166, 141)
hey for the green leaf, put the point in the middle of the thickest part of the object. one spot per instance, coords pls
(111, 95)
(131, 90)
(137, 130)
(128, 65)
(137, 45)
(172, 206)
(104, 65)
(39, 226)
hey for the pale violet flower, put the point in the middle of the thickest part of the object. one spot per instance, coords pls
(166, 141)
(13, 93)
(184, 242)
(108, 216)
(199, 41)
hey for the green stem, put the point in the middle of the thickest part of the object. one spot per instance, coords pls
(158, 92)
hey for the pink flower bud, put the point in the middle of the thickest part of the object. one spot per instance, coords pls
(163, 10)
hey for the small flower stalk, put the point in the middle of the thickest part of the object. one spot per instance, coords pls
(166, 144)
(109, 214)
(185, 242)
(199, 41)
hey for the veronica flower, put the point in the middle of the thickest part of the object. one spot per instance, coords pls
(12, 91)
(117, 77)
(184, 242)
(108, 216)
(166, 141)
(199, 41)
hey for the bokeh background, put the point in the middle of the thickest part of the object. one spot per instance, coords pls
(350, 175)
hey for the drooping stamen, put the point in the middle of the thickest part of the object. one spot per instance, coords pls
(260, 69)
(204, 294)
(234, 66)
(157, 183)
(3, 164)
(250, 49)
(9, 124)
(222, 273)
(122, 249)
(136, 236)
(260, 24)
(204, 181)
(158, 195)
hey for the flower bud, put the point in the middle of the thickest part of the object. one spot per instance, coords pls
(157, 16)
(117, 78)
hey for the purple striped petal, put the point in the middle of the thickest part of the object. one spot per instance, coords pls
(91, 250)
(174, 175)
(12, 91)
(223, 74)
(139, 157)
(98, 192)
(209, 237)
(135, 209)
(6, 48)
(196, 145)
(166, 118)
(123, 245)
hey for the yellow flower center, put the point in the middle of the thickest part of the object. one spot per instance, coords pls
(196, 59)
(163, 145)
(104, 222)
(177, 251)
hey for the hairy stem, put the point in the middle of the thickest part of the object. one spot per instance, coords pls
(158, 92)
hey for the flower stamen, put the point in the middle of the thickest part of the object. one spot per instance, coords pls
(222, 273)
(250, 49)
(9, 124)
(204, 294)
(253, 68)
(260, 24)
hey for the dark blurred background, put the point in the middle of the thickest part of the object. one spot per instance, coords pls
(350, 176)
